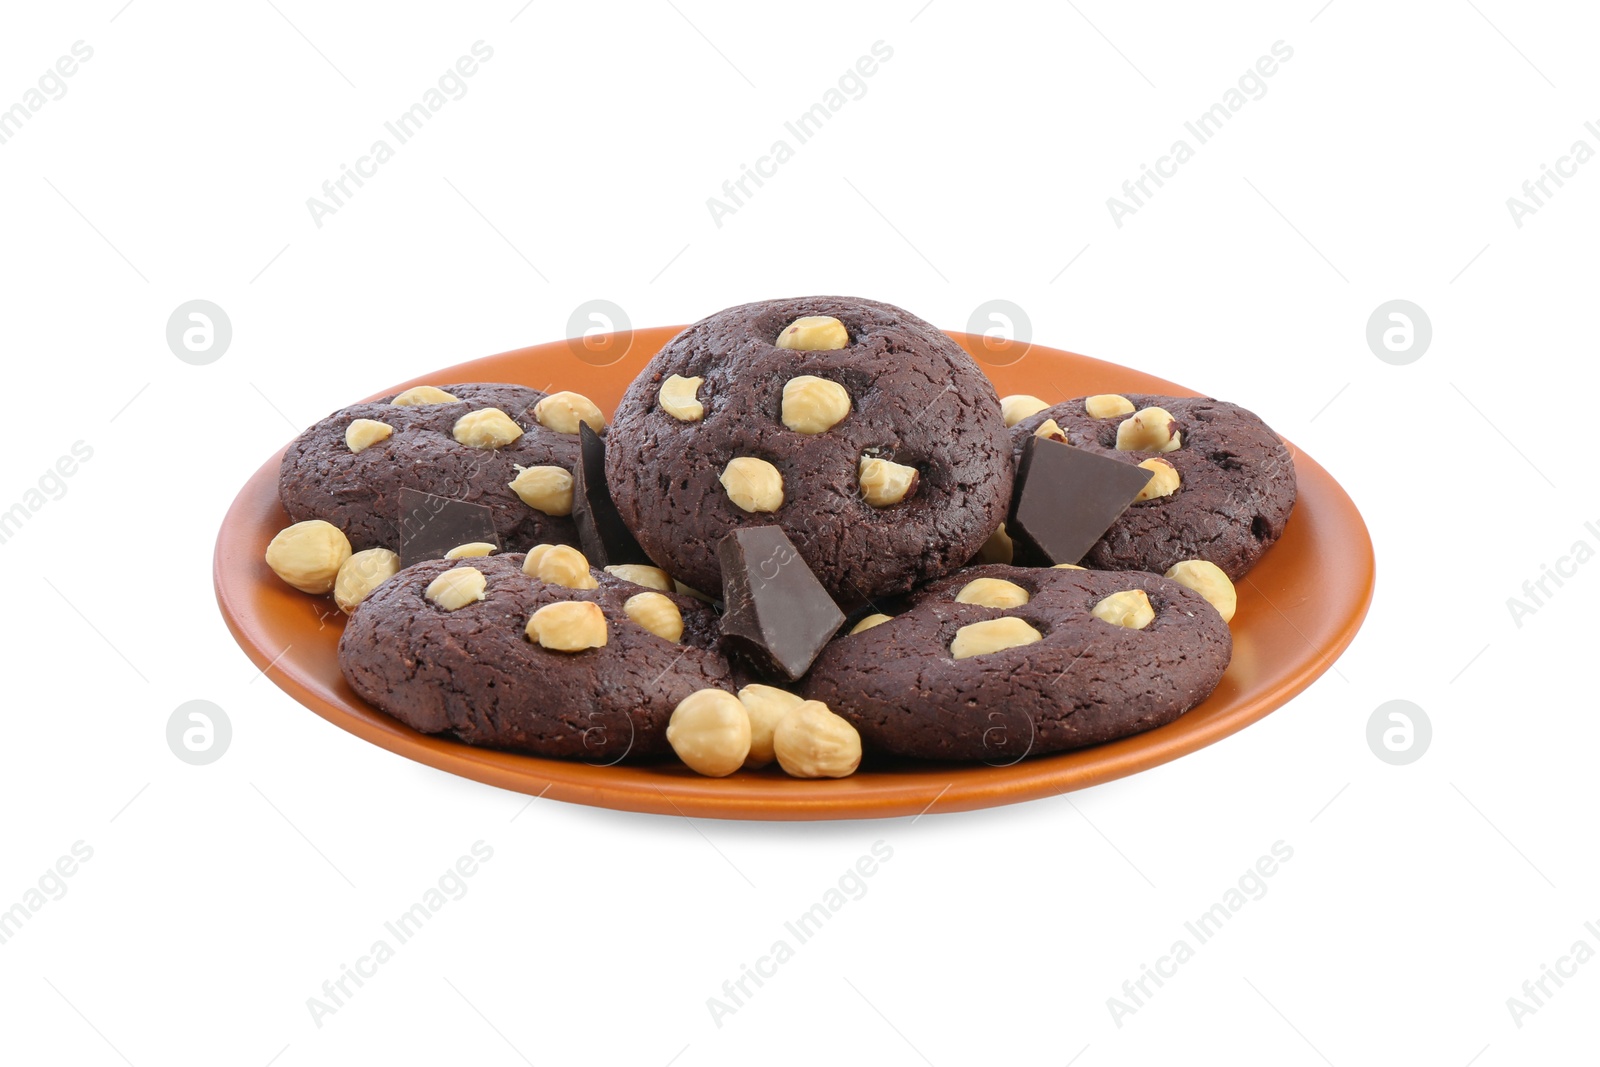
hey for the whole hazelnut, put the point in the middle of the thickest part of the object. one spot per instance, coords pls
(568, 626)
(812, 742)
(308, 555)
(361, 574)
(657, 613)
(710, 732)
(992, 635)
(814, 333)
(564, 412)
(1130, 609)
(753, 484)
(546, 489)
(766, 705)
(1210, 581)
(814, 405)
(1019, 406)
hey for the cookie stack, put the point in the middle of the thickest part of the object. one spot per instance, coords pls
(811, 534)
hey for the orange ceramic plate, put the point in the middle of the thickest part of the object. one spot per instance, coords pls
(1298, 610)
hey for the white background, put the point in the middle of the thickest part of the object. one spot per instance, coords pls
(976, 166)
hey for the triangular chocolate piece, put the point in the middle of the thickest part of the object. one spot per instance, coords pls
(1065, 499)
(432, 525)
(775, 614)
(604, 537)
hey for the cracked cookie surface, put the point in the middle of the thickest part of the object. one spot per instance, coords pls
(1080, 681)
(1236, 488)
(359, 491)
(914, 400)
(474, 672)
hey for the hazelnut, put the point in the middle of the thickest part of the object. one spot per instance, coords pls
(814, 333)
(486, 428)
(753, 484)
(361, 574)
(472, 550)
(568, 626)
(1019, 406)
(562, 565)
(362, 434)
(992, 593)
(455, 589)
(1150, 430)
(992, 635)
(564, 412)
(677, 398)
(530, 562)
(812, 742)
(639, 574)
(546, 489)
(1210, 581)
(655, 613)
(308, 555)
(884, 483)
(766, 706)
(1107, 405)
(813, 405)
(710, 732)
(998, 548)
(869, 622)
(423, 394)
(1163, 482)
(1067, 567)
(1051, 429)
(1129, 608)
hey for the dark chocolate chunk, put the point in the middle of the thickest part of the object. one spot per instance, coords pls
(1065, 498)
(432, 525)
(605, 538)
(776, 616)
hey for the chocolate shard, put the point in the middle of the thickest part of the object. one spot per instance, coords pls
(602, 534)
(432, 525)
(1065, 499)
(776, 616)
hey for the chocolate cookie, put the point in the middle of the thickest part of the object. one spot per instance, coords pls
(419, 446)
(867, 435)
(1235, 481)
(1039, 672)
(462, 662)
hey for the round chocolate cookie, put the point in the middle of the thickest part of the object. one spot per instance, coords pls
(1236, 483)
(868, 436)
(930, 684)
(475, 672)
(324, 477)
